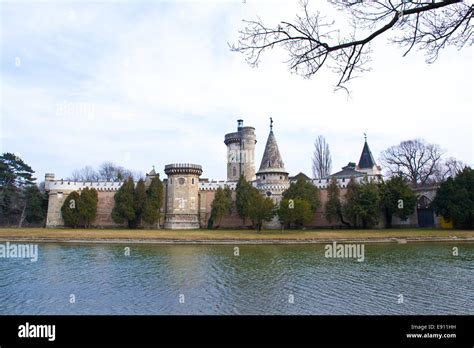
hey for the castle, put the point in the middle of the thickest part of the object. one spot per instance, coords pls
(188, 197)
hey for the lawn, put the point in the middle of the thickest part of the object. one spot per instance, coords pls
(190, 235)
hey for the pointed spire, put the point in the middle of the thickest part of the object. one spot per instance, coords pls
(271, 160)
(366, 160)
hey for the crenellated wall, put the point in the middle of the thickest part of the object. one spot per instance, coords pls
(58, 191)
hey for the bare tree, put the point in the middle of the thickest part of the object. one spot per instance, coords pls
(449, 168)
(416, 160)
(111, 171)
(108, 171)
(312, 41)
(85, 174)
(321, 158)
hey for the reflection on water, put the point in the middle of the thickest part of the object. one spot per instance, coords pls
(259, 281)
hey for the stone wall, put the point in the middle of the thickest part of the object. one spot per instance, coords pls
(105, 205)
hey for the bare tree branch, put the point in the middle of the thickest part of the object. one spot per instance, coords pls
(311, 41)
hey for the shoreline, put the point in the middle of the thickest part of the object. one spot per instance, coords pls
(231, 237)
(159, 241)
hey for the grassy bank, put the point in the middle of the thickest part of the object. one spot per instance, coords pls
(42, 234)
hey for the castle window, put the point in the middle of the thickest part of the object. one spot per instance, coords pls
(327, 180)
(264, 177)
(171, 181)
(192, 181)
(269, 193)
(234, 171)
(281, 178)
(343, 179)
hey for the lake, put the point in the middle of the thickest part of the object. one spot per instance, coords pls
(67, 278)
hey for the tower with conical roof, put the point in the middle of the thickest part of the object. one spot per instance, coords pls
(367, 163)
(272, 178)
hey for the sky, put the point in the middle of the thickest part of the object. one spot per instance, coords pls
(144, 84)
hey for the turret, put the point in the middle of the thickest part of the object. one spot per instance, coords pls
(150, 176)
(182, 196)
(241, 152)
(48, 178)
(272, 178)
(366, 162)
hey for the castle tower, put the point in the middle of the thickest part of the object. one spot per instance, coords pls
(182, 195)
(241, 153)
(367, 163)
(272, 178)
(150, 176)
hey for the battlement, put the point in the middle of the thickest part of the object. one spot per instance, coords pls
(214, 185)
(183, 168)
(341, 182)
(68, 185)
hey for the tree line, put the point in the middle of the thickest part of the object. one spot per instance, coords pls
(362, 206)
(135, 206)
(22, 201)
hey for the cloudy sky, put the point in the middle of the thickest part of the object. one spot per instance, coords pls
(152, 83)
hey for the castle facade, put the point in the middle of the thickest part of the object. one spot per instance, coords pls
(188, 196)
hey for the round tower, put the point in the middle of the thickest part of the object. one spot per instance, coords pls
(241, 153)
(182, 193)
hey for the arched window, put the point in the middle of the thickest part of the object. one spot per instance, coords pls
(423, 202)
(234, 171)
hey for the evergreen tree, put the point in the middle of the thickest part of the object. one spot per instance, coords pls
(350, 207)
(362, 203)
(306, 191)
(455, 199)
(154, 202)
(369, 203)
(70, 210)
(397, 198)
(295, 212)
(333, 205)
(37, 204)
(124, 210)
(139, 202)
(243, 192)
(14, 172)
(260, 209)
(15, 177)
(221, 205)
(88, 206)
